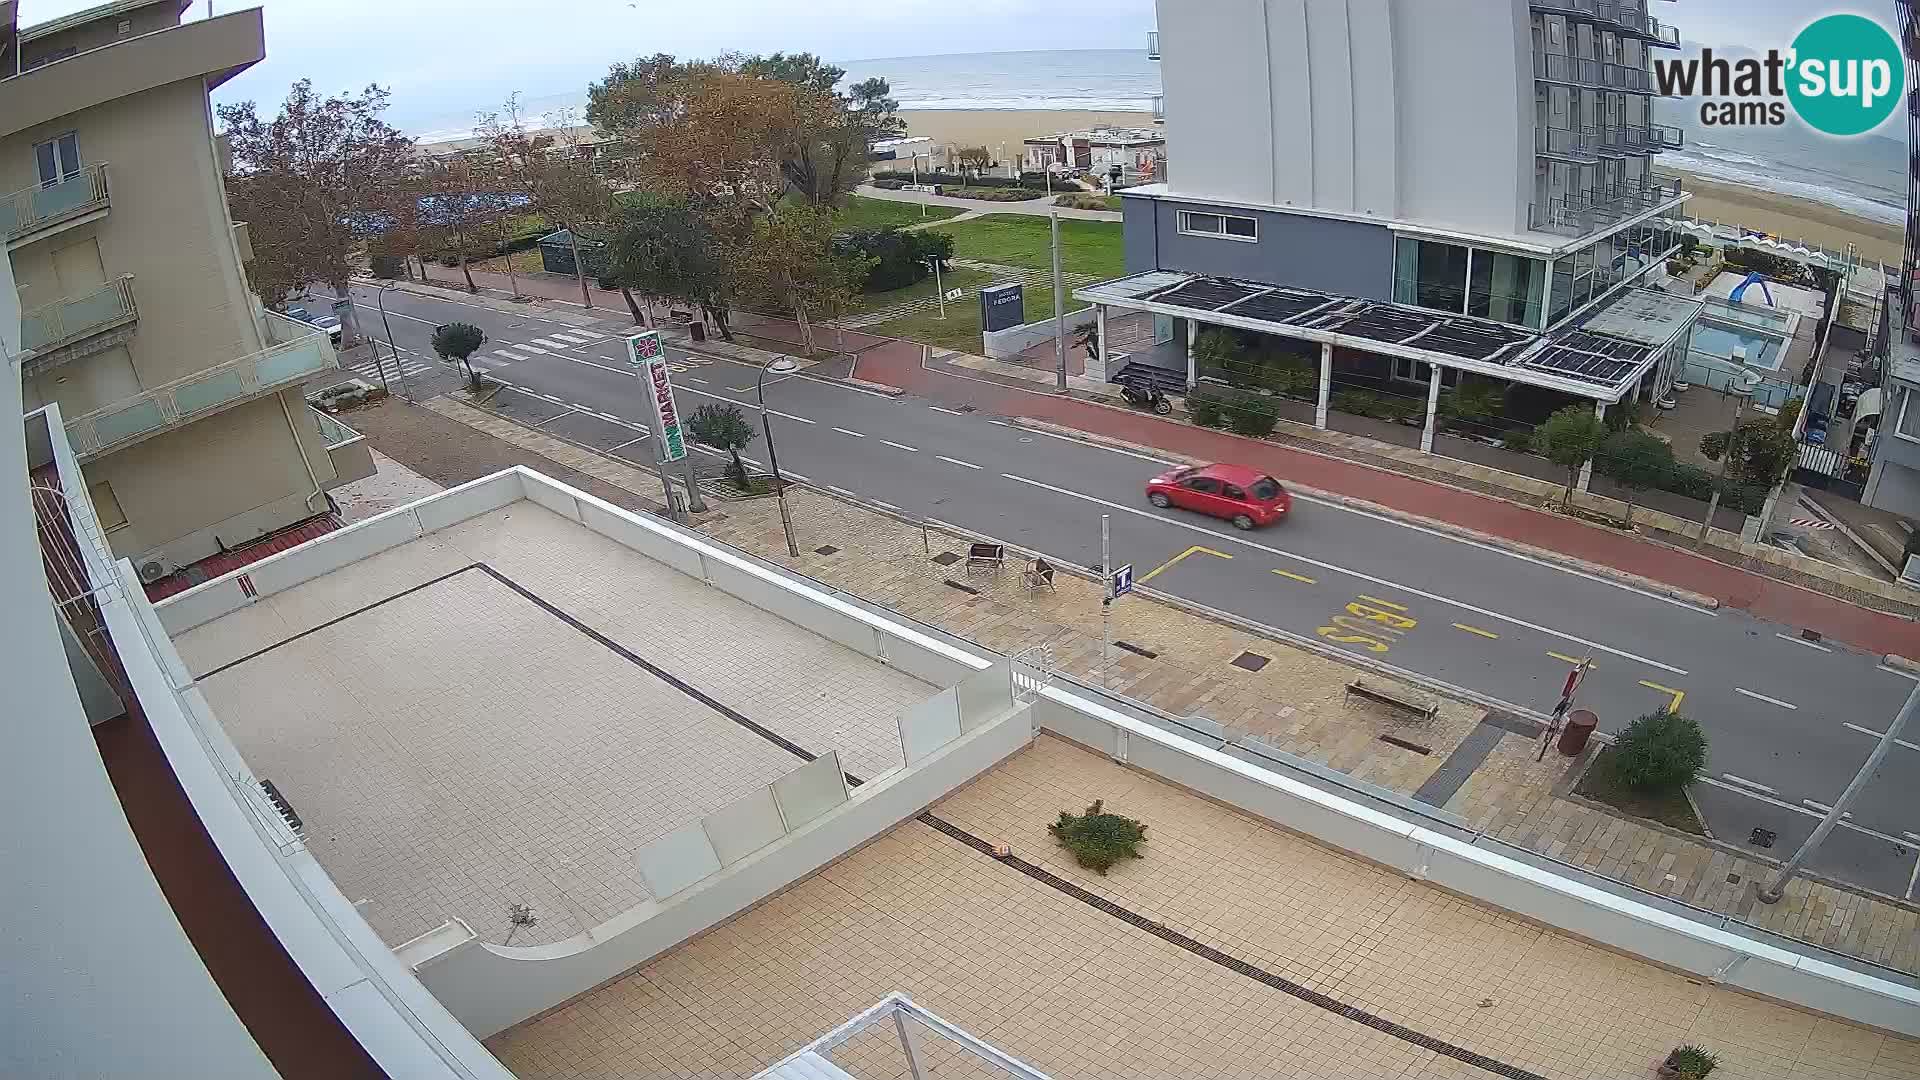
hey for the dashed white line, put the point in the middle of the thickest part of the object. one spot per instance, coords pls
(1765, 698)
(1803, 641)
(1796, 808)
(999, 423)
(1102, 446)
(582, 408)
(1880, 735)
(1387, 583)
(790, 416)
(1827, 808)
(551, 344)
(548, 397)
(573, 337)
(689, 378)
(1896, 671)
(629, 442)
(508, 355)
(901, 446)
(855, 434)
(532, 349)
(949, 412)
(956, 461)
(609, 416)
(1744, 782)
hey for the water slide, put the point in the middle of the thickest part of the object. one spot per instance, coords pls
(1752, 279)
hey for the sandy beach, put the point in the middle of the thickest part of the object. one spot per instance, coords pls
(994, 128)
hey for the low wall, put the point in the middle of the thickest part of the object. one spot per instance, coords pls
(1662, 937)
(1014, 340)
(490, 987)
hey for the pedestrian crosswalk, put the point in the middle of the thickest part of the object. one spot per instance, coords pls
(372, 370)
(492, 358)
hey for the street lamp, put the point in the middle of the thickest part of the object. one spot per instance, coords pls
(779, 365)
(938, 289)
(380, 297)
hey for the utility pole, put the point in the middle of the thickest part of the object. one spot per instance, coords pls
(1106, 600)
(939, 290)
(1059, 309)
(1773, 890)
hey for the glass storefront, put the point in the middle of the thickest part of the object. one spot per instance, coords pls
(1506, 288)
(1430, 274)
(1452, 277)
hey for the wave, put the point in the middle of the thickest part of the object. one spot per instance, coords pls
(1709, 167)
(1728, 156)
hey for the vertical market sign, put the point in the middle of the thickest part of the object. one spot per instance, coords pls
(645, 352)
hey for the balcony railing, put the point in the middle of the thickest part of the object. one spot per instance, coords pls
(1666, 136)
(1153, 44)
(1633, 80)
(1622, 13)
(200, 394)
(1572, 70)
(1569, 144)
(1578, 213)
(67, 320)
(26, 212)
(1159, 108)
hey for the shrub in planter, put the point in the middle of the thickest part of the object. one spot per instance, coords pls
(1689, 1062)
(1098, 839)
(1660, 752)
(1252, 415)
(1519, 440)
(1206, 404)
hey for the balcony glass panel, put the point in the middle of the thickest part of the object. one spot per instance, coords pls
(125, 423)
(294, 361)
(209, 393)
(1507, 288)
(1430, 275)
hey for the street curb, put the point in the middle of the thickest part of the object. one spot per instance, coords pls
(878, 388)
(1685, 596)
(1901, 663)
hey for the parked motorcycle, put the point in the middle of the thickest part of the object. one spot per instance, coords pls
(1148, 398)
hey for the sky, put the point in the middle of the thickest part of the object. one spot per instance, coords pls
(444, 58)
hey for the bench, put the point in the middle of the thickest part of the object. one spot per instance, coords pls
(1404, 702)
(1039, 575)
(985, 556)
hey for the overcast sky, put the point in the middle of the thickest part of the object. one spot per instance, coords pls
(444, 57)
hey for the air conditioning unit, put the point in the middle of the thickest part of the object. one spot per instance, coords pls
(151, 571)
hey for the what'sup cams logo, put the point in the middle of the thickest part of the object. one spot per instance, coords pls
(1843, 76)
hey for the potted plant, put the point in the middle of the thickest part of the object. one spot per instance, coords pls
(1689, 1062)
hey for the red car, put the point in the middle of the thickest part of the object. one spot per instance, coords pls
(1246, 497)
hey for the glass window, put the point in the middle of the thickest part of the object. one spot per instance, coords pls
(58, 159)
(1204, 484)
(1429, 274)
(1910, 415)
(1266, 488)
(1232, 492)
(1242, 226)
(1231, 226)
(1506, 288)
(1562, 290)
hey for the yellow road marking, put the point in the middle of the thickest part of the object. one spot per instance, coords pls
(1475, 630)
(1678, 695)
(1382, 603)
(1296, 577)
(1168, 565)
(1564, 658)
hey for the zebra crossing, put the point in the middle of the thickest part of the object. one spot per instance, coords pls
(371, 369)
(491, 357)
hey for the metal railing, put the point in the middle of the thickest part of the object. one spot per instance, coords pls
(1631, 79)
(333, 431)
(201, 393)
(1565, 68)
(911, 1024)
(1571, 144)
(72, 318)
(37, 207)
(1580, 212)
(1667, 137)
(1159, 107)
(1153, 44)
(1625, 14)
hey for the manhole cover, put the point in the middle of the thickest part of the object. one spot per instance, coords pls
(826, 549)
(1733, 879)
(1250, 661)
(1762, 838)
(946, 558)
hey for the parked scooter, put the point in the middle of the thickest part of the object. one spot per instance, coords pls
(1150, 397)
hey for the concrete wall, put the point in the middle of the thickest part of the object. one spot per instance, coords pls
(1361, 107)
(91, 35)
(1483, 875)
(1354, 258)
(1014, 340)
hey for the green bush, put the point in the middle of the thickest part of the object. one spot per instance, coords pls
(1692, 1062)
(1661, 751)
(1097, 839)
(1519, 440)
(1251, 415)
(1207, 404)
(1357, 403)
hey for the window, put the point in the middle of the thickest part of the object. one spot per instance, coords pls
(1232, 492)
(1430, 275)
(1266, 488)
(1206, 485)
(1414, 371)
(1227, 226)
(1910, 414)
(1562, 289)
(1506, 288)
(105, 506)
(57, 159)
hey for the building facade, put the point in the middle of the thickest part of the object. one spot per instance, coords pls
(1491, 158)
(182, 395)
(1893, 481)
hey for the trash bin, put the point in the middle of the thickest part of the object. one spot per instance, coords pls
(1580, 725)
(699, 330)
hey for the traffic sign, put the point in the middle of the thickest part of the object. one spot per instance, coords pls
(644, 352)
(1122, 582)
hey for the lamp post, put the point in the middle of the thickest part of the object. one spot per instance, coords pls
(938, 289)
(779, 365)
(380, 297)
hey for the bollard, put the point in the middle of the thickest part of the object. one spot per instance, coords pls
(1580, 727)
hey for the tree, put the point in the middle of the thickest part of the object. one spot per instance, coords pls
(973, 159)
(1636, 461)
(555, 171)
(823, 165)
(1762, 452)
(458, 341)
(900, 258)
(724, 427)
(1660, 752)
(790, 260)
(660, 247)
(1569, 439)
(307, 180)
(461, 201)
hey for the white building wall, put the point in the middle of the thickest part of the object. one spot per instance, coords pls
(1413, 110)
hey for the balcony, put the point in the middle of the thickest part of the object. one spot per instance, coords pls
(50, 330)
(205, 393)
(1159, 108)
(1632, 80)
(1577, 145)
(1624, 14)
(349, 451)
(1666, 137)
(1153, 44)
(1569, 70)
(42, 210)
(1578, 213)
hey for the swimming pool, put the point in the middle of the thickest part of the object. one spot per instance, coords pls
(1718, 340)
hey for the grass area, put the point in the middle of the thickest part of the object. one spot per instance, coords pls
(1086, 247)
(960, 330)
(1672, 809)
(950, 279)
(524, 262)
(861, 212)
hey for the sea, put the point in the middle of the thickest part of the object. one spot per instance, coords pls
(1865, 176)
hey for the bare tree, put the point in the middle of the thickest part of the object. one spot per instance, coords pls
(554, 168)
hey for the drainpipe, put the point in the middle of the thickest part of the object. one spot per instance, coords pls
(318, 491)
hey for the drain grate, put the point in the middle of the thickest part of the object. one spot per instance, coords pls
(826, 549)
(1250, 661)
(946, 558)
(1395, 740)
(968, 589)
(1136, 650)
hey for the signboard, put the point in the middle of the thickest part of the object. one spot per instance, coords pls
(1122, 582)
(645, 353)
(1002, 306)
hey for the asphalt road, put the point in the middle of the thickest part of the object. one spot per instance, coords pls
(1789, 721)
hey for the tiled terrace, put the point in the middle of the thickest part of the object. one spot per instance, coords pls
(1079, 992)
(458, 739)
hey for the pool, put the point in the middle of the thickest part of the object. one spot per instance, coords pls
(1718, 340)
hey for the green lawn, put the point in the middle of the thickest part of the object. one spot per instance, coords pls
(960, 330)
(950, 279)
(861, 212)
(1086, 247)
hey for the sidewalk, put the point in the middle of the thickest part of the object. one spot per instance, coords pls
(1478, 767)
(1765, 597)
(1040, 207)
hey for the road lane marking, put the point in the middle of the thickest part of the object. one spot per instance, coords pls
(777, 412)
(582, 408)
(1168, 565)
(1475, 630)
(855, 434)
(1881, 735)
(949, 412)
(1677, 695)
(1798, 809)
(1383, 582)
(1744, 782)
(1297, 577)
(1913, 878)
(1102, 446)
(1897, 671)
(1765, 698)
(533, 349)
(1382, 603)
(702, 382)
(629, 442)
(509, 355)
(576, 337)
(375, 308)
(956, 461)
(999, 423)
(901, 446)
(1826, 808)
(1803, 641)
(1565, 659)
(741, 389)
(550, 343)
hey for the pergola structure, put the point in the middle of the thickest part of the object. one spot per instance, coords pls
(1604, 358)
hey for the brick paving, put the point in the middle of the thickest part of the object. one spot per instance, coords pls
(1295, 701)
